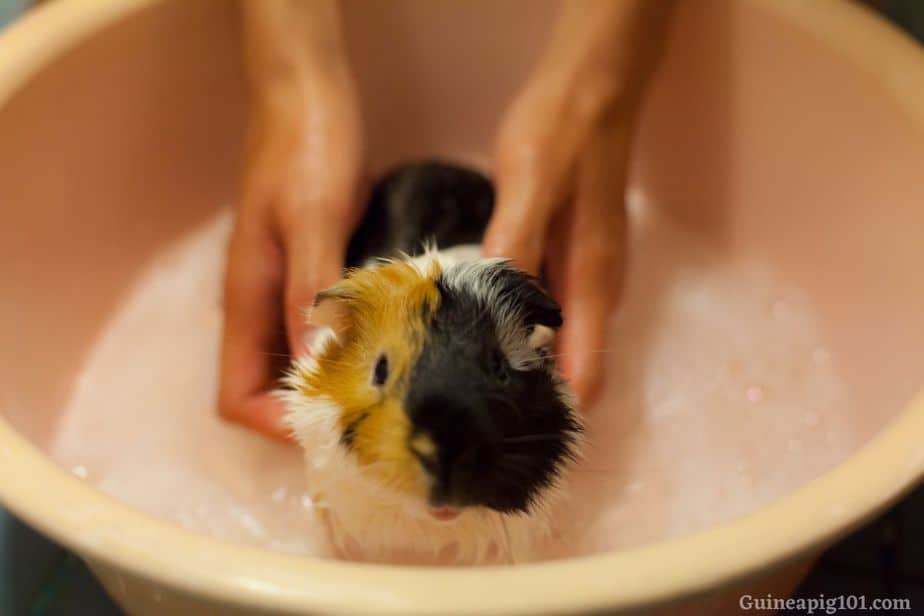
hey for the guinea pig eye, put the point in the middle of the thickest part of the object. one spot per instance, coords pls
(499, 366)
(380, 374)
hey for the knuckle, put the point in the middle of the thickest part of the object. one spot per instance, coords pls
(524, 148)
(596, 97)
(600, 255)
(292, 208)
(523, 141)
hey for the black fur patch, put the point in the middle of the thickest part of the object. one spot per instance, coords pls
(421, 202)
(501, 434)
(525, 291)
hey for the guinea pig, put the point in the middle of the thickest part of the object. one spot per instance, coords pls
(433, 419)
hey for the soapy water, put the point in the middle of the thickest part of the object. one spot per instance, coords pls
(720, 397)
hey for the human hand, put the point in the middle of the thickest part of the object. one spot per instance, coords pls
(561, 162)
(298, 205)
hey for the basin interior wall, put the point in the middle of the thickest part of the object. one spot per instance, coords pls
(754, 135)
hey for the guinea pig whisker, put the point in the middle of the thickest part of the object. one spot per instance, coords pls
(554, 355)
(580, 468)
(386, 474)
(518, 461)
(513, 471)
(532, 438)
(384, 460)
(387, 432)
(375, 464)
(601, 475)
(393, 481)
(504, 402)
(510, 554)
(347, 364)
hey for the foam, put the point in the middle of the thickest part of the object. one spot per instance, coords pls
(721, 397)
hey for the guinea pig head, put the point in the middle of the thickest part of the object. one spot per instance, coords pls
(442, 382)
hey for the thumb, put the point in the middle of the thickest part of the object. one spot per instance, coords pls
(532, 181)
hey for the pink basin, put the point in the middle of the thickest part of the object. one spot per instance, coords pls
(792, 132)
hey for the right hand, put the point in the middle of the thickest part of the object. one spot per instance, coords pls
(299, 204)
(561, 168)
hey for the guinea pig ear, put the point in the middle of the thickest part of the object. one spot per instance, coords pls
(331, 309)
(541, 313)
(539, 307)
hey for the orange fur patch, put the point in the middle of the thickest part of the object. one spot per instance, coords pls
(380, 311)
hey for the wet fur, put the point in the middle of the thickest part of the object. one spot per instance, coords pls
(434, 316)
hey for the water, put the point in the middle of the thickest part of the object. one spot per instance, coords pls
(141, 424)
(721, 397)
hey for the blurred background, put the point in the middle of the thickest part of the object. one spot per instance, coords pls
(883, 559)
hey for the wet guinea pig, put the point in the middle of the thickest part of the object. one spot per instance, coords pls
(432, 417)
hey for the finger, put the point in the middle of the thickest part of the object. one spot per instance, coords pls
(594, 277)
(590, 283)
(314, 255)
(317, 217)
(583, 342)
(264, 413)
(251, 337)
(579, 279)
(532, 169)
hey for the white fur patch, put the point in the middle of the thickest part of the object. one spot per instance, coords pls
(479, 277)
(541, 337)
(366, 520)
